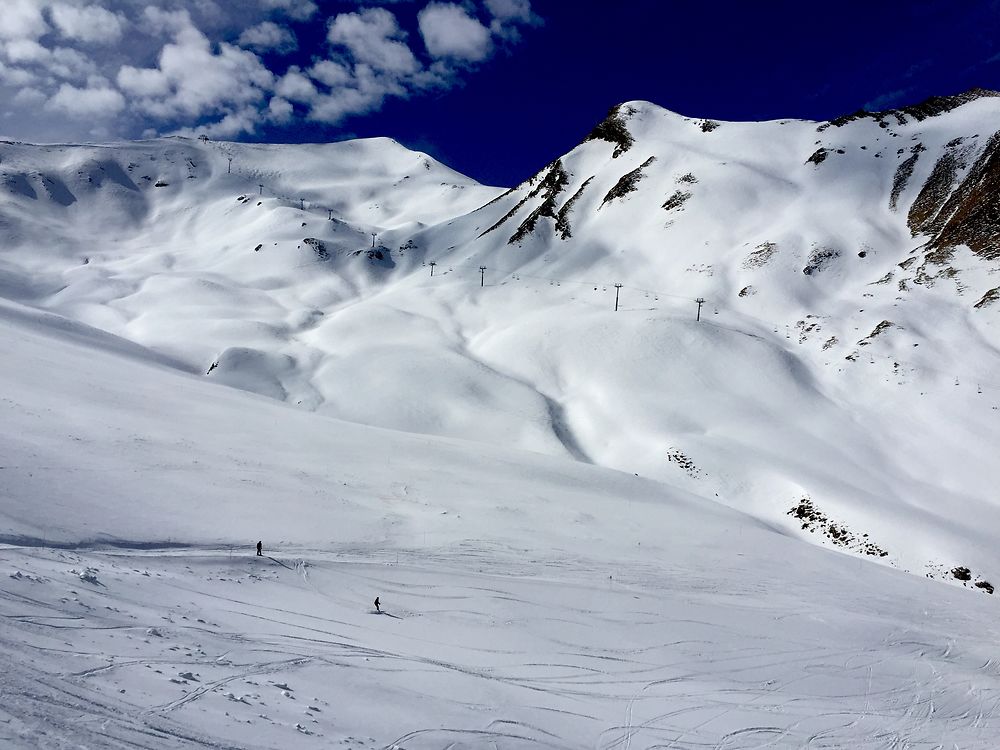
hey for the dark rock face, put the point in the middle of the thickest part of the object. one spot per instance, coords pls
(971, 215)
(562, 218)
(552, 180)
(628, 182)
(993, 295)
(614, 130)
(903, 173)
(550, 188)
(818, 156)
(925, 211)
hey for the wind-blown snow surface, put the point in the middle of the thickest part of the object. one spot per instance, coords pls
(529, 601)
(578, 520)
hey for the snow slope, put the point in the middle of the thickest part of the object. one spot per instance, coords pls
(529, 601)
(204, 346)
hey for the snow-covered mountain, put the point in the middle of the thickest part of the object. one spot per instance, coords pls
(844, 353)
(355, 351)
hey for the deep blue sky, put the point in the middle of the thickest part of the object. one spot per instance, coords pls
(728, 60)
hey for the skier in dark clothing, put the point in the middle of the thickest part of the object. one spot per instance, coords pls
(378, 607)
(259, 548)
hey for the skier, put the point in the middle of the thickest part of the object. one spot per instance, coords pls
(259, 548)
(378, 607)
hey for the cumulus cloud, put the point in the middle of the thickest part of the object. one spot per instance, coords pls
(296, 87)
(60, 62)
(373, 38)
(22, 19)
(512, 10)
(279, 110)
(509, 16)
(268, 35)
(88, 23)
(93, 101)
(300, 10)
(193, 79)
(130, 67)
(449, 31)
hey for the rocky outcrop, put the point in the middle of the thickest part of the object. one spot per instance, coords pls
(971, 215)
(935, 105)
(903, 173)
(552, 180)
(613, 129)
(628, 182)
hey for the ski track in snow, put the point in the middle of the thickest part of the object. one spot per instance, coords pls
(560, 661)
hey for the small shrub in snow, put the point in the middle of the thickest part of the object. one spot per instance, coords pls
(820, 258)
(761, 255)
(813, 519)
(678, 199)
(88, 575)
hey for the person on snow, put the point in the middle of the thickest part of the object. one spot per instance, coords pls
(259, 548)
(378, 607)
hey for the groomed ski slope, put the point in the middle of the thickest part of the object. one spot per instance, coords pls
(530, 601)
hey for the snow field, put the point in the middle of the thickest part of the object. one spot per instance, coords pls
(481, 647)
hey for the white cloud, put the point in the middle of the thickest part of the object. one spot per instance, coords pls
(512, 10)
(61, 62)
(30, 97)
(192, 80)
(449, 31)
(268, 36)
(296, 87)
(88, 23)
(124, 67)
(22, 19)
(300, 10)
(235, 123)
(507, 14)
(279, 110)
(14, 76)
(26, 51)
(100, 101)
(167, 21)
(373, 38)
(330, 73)
(143, 82)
